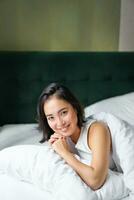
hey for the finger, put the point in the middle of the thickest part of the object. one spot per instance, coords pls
(52, 140)
(55, 135)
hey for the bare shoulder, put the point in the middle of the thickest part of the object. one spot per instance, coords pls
(99, 126)
(99, 133)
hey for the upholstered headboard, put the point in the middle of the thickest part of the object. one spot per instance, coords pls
(92, 76)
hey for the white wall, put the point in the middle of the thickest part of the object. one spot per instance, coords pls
(126, 38)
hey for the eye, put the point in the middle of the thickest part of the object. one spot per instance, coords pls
(51, 118)
(64, 112)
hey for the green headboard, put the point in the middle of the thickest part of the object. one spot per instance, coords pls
(92, 76)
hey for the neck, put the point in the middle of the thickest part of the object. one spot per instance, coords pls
(76, 135)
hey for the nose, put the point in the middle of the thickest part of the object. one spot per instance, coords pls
(59, 122)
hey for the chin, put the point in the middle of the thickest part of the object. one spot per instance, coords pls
(66, 134)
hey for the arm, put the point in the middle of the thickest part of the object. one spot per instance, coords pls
(95, 174)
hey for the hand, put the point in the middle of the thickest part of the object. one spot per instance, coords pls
(60, 146)
(54, 137)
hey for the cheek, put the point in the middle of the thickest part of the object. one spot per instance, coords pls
(73, 118)
(51, 124)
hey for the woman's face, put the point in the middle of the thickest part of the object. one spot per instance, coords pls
(61, 116)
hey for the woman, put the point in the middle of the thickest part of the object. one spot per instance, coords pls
(61, 118)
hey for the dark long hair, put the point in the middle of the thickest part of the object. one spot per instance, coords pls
(61, 92)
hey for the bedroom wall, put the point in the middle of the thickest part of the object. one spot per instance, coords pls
(88, 25)
(126, 39)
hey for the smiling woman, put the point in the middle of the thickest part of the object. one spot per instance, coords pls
(61, 117)
(58, 110)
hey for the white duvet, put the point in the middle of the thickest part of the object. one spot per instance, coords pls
(41, 166)
(45, 169)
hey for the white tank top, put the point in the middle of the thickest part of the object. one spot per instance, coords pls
(82, 149)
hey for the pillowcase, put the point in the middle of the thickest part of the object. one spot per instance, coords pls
(114, 187)
(41, 166)
(122, 134)
(121, 106)
(19, 134)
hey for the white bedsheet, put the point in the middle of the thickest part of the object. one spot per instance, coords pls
(13, 189)
(14, 134)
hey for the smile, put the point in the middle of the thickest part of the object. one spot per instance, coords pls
(64, 129)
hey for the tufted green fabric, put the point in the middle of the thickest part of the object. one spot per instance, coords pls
(92, 76)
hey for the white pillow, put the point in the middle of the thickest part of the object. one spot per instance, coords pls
(41, 166)
(122, 134)
(19, 134)
(114, 187)
(121, 106)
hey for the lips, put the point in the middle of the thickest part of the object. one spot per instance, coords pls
(65, 128)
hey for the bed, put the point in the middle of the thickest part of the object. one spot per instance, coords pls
(103, 81)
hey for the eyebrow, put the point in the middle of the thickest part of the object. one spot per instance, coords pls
(58, 111)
